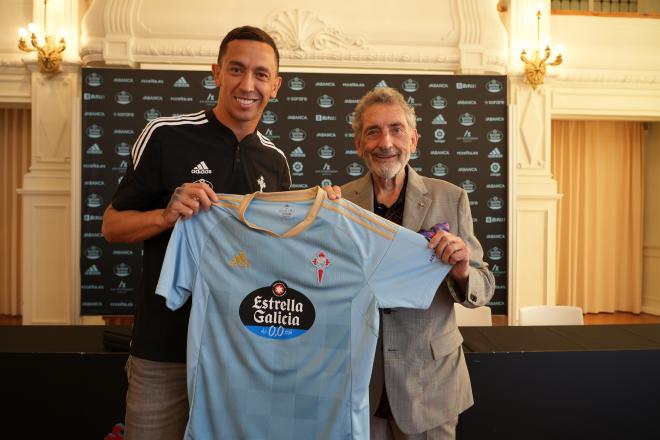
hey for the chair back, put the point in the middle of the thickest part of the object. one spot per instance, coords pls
(477, 317)
(551, 315)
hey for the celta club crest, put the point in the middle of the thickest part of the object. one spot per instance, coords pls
(262, 183)
(320, 262)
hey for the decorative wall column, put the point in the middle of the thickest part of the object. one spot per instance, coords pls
(534, 236)
(49, 266)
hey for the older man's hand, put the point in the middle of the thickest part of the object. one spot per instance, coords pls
(334, 192)
(451, 249)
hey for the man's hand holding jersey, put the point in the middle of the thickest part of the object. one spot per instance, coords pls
(449, 248)
(187, 200)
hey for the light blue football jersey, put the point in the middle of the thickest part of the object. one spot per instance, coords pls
(286, 289)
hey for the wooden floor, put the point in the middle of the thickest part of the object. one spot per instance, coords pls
(589, 319)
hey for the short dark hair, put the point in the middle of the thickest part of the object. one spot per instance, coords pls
(248, 33)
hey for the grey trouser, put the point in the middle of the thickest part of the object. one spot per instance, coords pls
(385, 429)
(156, 401)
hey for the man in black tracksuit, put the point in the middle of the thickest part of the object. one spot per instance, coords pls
(178, 164)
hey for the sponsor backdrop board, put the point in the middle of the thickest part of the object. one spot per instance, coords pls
(463, 139)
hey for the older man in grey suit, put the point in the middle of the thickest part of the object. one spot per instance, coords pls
(420, 381)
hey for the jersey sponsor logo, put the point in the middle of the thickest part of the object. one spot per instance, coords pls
(320, 262)
(201, 168)
(277, 312)
(240, 260)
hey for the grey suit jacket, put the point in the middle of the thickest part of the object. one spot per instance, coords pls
(421, 360)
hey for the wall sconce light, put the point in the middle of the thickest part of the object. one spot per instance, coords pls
(49, 48)
(536, 65)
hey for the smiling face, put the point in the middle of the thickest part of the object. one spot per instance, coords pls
(385, 141)
(247, 79)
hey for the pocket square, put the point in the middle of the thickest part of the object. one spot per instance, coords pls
(429, 233)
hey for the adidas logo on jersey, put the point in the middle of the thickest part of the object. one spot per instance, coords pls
(201, 168)
(239, 260)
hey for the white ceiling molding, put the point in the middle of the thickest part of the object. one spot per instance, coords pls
(461, 36)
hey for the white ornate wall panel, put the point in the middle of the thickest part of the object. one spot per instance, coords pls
(611, 68)
(535, 244)
(450, 35)
(46, 246)
(602, 101)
